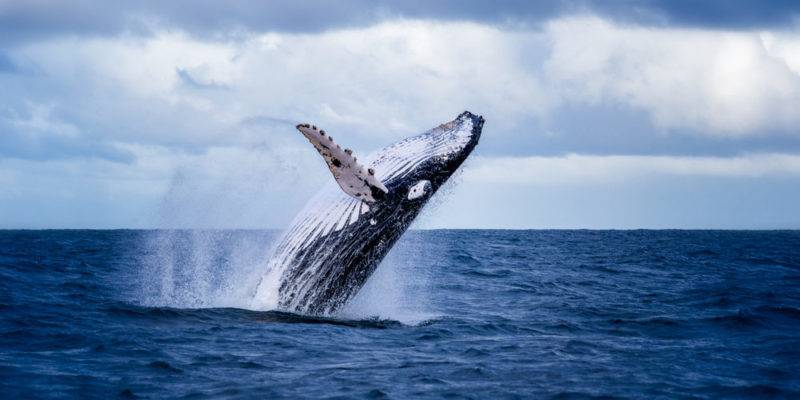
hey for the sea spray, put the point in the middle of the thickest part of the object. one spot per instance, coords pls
(202, 268)
(399, 289)
(189, 262)
(210, 268)
(223, 268)
(199, 268)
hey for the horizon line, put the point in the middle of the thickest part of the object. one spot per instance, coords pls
(414, 229)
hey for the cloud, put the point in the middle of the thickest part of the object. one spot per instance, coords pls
(39, 135)
(712, 82)
(193, 83)
(757, 191)
(222, 187)
(577, 169)
(376, 84)
(200, 128)
(6, 65)
(387, 81)
(25, 21)
(718, 14)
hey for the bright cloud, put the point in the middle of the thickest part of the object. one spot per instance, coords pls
(714, 82)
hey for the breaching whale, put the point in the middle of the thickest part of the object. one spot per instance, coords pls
(343, 233)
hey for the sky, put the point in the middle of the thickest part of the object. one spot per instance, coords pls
(599, 115)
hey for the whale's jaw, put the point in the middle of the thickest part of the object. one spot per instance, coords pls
(336, 242)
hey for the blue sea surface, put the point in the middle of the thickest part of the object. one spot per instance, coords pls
(449, 314)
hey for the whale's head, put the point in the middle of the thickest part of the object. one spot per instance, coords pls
(415, 168)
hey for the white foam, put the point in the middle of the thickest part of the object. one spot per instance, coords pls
(202, 269)
(397, 290)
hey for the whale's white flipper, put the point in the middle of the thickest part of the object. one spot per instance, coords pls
(355, 179)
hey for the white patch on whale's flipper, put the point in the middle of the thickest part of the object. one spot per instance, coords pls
(355, 179)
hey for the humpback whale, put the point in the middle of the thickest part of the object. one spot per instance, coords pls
(337, 241)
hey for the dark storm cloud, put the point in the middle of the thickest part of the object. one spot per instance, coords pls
(23, 20)
(739, 14)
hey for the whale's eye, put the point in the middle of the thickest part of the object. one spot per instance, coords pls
(419, 189)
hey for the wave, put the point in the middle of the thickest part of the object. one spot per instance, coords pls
(243, 315)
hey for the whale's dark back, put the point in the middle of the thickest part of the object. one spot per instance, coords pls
(336, 242)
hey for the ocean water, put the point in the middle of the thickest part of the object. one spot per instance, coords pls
(449, 314)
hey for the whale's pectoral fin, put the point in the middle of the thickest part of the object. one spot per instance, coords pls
(355, 179)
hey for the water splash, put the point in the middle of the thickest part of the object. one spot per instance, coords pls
(224, 268)
(198, 265)
(206, 268)
(398, 289)
(203, 268)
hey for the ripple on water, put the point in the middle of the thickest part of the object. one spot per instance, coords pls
(460, 314)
